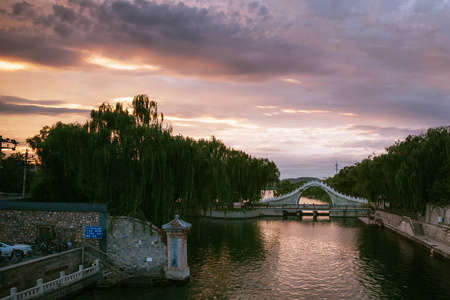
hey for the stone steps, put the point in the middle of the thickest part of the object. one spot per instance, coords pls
(418, 229)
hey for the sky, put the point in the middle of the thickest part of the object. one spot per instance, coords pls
(304, 83)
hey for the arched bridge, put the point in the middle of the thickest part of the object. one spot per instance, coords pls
(336, 197)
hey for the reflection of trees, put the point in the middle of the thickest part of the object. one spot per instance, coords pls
(229, 254)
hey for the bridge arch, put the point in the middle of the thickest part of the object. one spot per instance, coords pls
(336, 197)
(304, 190)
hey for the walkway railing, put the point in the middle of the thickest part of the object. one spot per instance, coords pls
(42, 287)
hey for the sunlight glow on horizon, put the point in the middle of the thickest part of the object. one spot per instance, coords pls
(13, 66)
(303, 111)
(295, 81)
(211, 120)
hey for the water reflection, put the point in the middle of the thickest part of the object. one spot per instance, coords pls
(299, 259)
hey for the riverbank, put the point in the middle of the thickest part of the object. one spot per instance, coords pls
(433, 238)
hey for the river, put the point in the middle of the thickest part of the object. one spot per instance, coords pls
(298, 259)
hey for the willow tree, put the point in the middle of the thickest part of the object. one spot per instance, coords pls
(410, 174)
(128, 159)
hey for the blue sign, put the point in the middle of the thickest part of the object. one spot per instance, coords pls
(93, 232)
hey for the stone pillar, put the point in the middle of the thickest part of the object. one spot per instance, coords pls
(177, 266)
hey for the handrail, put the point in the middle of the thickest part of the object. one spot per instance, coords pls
(105, 257)
(306, 206)
(410, 222)
(42, 287)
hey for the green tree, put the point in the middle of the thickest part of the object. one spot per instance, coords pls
(132, 162)
(409, 175)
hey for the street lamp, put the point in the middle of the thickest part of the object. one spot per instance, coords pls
(8, 141)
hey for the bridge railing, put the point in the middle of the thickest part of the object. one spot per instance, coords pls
(306, 206)
(312, 183)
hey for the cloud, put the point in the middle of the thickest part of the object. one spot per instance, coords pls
(181, 38)
(391, 132)
(305, 83)
(14, 105)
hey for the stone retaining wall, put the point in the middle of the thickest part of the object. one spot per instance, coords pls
(438, 233)
(138, 247)
(20, 226)
(438, 215)
(231, 214)
(270, 213)
(19, 221)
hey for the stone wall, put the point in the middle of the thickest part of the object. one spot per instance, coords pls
(231, 214)
(20, 221)
(24, 275)
(438, 233)
(391, 220)
(438, 215)
(271, 213)
(20, 226)
(138, 247)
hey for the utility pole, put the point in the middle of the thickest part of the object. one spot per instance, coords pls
(25, 173)
(336, 167)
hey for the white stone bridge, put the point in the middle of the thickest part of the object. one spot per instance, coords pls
(336, 197)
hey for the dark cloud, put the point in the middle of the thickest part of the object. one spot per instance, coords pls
(183, 38)
(39, 50)
(18, 106)
(66, 14)
(22, 8)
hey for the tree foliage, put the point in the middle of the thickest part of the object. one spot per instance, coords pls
(130, 161)
(12, 171)
(409, 175)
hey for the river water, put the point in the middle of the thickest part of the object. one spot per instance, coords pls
(298, 259)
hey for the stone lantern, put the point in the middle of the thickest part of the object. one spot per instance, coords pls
(177, 231)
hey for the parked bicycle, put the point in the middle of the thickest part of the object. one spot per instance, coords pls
(39, 247)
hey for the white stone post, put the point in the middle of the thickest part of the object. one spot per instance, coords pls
(13, 293)
(177, 266)
(40, 285)
(62, 277)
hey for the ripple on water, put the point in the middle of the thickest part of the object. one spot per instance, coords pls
(292, 259)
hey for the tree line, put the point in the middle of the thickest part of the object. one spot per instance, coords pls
(411, 174)
(132, 161)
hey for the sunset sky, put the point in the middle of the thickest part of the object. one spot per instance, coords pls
(304, 83)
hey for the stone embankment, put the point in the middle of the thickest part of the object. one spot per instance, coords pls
(434, 238)
(220, 214)
(138, 248)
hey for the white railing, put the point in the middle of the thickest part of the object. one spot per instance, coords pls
(42, 287)
(312, 183)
